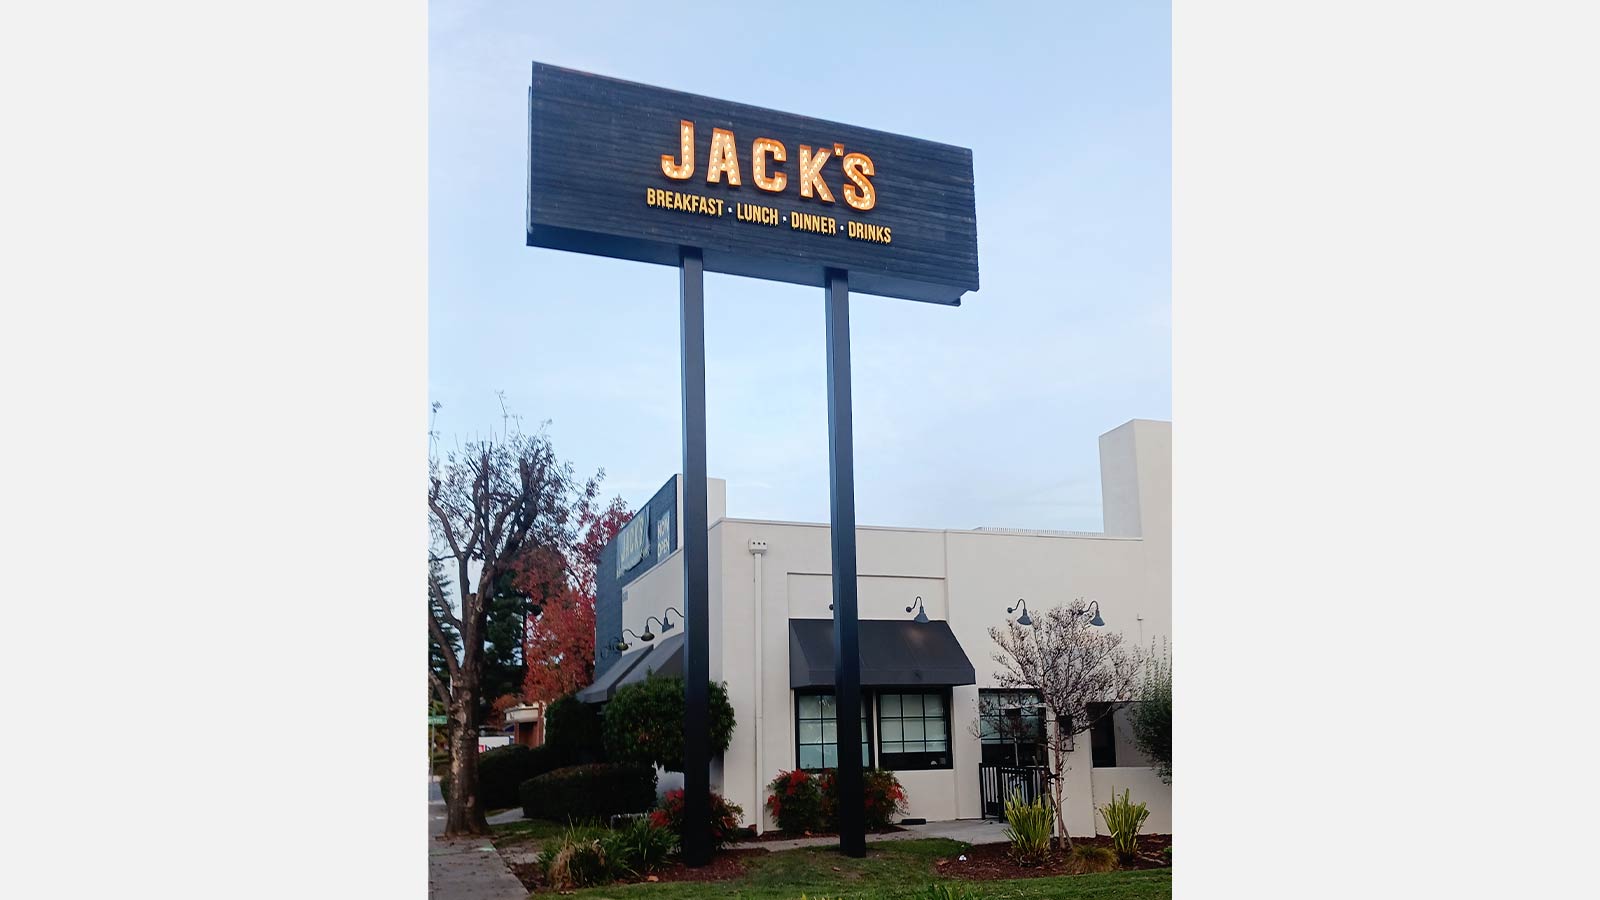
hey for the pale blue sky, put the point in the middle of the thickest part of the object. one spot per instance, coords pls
(986, 414)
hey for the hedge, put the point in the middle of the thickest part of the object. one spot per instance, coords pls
(644, 722)
(572, 730)
(593, 791)
(502, 770)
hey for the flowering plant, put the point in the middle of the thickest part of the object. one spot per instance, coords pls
(884, 800)
(724, 817)
(795, 802)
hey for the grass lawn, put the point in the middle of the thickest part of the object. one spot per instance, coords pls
(892, 870)
(524, 830)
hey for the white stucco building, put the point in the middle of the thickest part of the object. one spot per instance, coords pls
(767, 579)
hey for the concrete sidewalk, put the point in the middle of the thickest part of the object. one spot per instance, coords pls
(972, 831)
(465, 868)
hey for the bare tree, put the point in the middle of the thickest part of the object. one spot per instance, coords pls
(495, 507)
(1014, 721)
(1081, 673)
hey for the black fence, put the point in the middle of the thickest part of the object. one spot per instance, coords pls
(997, 783)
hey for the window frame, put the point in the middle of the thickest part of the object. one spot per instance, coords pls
(918, 760)
(1034, 753)
(1103, 737)
(867, 720)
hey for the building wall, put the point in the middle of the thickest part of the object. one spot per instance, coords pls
(966, 578)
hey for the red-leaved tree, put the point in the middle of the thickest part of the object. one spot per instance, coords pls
(559, 649)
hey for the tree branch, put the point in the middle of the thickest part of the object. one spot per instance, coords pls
(439, 690)
(445, 649)
(441, 605)
(443, 518)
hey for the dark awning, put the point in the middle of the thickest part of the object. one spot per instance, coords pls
(894, 652)
(606, 684)
(665, 662)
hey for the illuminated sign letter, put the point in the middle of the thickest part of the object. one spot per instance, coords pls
(810, 173)
(724, 158)
(758, 164)
(681, 171)
(856, 167)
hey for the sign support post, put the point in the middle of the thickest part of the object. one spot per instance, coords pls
(635, 172)
(842, 529)
(696, 576)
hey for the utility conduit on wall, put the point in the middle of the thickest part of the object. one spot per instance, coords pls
(758, 549)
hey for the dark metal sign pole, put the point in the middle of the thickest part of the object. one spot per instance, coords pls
(842, 528)
(697, 615)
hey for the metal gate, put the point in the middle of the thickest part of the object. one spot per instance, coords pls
(997, 783)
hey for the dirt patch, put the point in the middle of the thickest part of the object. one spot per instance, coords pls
(786, 836)
(989, 862)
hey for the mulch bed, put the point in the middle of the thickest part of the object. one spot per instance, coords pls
(786, 836)
(989, 862)
(725, 865)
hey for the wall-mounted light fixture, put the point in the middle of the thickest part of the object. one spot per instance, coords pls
(922, 611)
(1023, 619)
(1094, 605)
(668, 625)
(623, 645)
(647, 637)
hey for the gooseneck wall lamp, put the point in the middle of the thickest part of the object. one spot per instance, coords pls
(668, 625)
(1096, 621)
(623, 645)
(647, 637)
(921, 617)
(1023, 619)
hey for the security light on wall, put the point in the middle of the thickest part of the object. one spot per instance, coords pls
(1023, 619)
(921, 617)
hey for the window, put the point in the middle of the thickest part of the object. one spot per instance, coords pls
(914, 730)
(816, 732)
(1011, 725)
(1102, 736)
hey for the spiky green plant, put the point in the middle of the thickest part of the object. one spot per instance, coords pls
(1087, 858)
(575, 859)
(1123, 820)
(1028, 829)
(637, 847)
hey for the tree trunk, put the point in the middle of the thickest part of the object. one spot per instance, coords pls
(464, 814)
(1059, 792)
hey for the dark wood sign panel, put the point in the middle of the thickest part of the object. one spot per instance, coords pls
(766, 194)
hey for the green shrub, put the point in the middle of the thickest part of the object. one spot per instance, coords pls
(883, 798)
(1123, 821)
(576, 859)
(593, 791)
(1028, 828)
(638, 847)
(643, 723)
(1150, 717)
(796, 802)
(1167, 854)
(724, 823)
(1087, 858)
(501, 771)
(573, 732)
